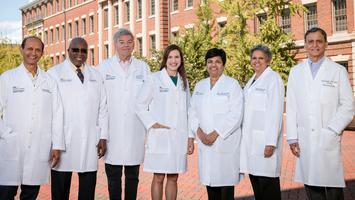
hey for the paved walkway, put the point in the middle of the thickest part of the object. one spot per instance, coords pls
(190, 188)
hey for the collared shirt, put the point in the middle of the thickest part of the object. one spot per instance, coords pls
(75, 67)
(124, 63)
(33, 78)
(314, 66)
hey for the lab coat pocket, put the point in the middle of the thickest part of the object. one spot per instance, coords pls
(158, 141)
(9, 149)
(258, 100)
(45, 149)
(220, 103)
(329, 140)
(227, 145)
(329, 93)
(258, 143)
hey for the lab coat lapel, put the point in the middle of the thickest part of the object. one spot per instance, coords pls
(164, 76)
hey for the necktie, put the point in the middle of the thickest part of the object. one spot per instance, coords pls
(80, 75)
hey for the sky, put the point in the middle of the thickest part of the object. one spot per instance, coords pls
(10, 19)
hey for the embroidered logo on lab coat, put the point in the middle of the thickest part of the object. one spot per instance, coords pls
(110, 77)
(329, 83)
(161, 89)
(65, 80)
(46, 90)
(226, 94)
(17, 89)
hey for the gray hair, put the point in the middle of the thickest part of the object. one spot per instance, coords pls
(120, 32)
(262, 48)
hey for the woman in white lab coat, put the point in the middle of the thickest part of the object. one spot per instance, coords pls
(162, 107)
(261, 133)
(215, 117)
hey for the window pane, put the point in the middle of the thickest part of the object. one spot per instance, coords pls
(286, 21)
(340, 15)
(311, 17)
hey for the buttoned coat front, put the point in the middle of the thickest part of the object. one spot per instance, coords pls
(31, 125)
(125, 144)
(219, 109)
(85, 116)
(317, 111)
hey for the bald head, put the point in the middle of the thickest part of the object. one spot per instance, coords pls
(77, 51)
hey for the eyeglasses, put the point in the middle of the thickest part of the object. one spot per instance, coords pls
(77, 50)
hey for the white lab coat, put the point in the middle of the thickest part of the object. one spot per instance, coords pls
(262, 124)
(85, 116)
(160, 101)
(219, 109)
(318, 110)
(125, 144)
(31, 125)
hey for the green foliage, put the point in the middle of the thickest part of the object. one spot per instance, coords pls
(236, 38)
(45, 63)
(10, 55)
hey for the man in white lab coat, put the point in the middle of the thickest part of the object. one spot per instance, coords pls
(31, 125)
(85, 122)
(124, 76)
(320, 104)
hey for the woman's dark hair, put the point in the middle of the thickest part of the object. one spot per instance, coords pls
(181, 70)
(216, 52)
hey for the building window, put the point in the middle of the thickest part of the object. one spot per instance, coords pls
(70, 3)
(116, 15)
(76, 28)
(139, 8)
(92, 56)
(286, 21)
(152, 42)
(311, 16)
(106, 51)
(83, 26)
(174, 5)
(51, 36)
(339, 7)
(63, 32)
(127, 11)
(105, 18)
(222, 24)
(189, 3)
(45, 37)
(140, 46)
(57, 34)
(76, 2)
(152, 7)
(260, 19)
(63, 57)
(57, 59)
(57, 5)
(70, 30)
(91, 23)
(344, 64)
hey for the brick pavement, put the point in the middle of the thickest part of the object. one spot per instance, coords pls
(190, 188)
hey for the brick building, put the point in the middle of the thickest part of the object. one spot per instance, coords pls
(153, 22)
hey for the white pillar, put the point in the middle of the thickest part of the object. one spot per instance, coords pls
(157, 24)
(144, 28)
(352, 75)
(110, 26)
(132, 16)
(100, 32)
(120, 14)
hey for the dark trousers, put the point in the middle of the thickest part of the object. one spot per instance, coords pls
(60, 185)
(324, 193)
(220, 193)
(28, 192)
(265, 188)
(114, 174)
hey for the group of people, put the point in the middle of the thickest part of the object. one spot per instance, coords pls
(63, 120)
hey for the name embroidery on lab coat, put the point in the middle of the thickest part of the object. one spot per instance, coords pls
(198, 93)
(329, 83)
(46, 90)
(260, 89)
(17, 89)
(92, 80)
(65, 80)
(223, 94)
(110, 77)
(140, 77)
(161, 89)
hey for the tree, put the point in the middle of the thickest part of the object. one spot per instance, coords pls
(9, 55)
